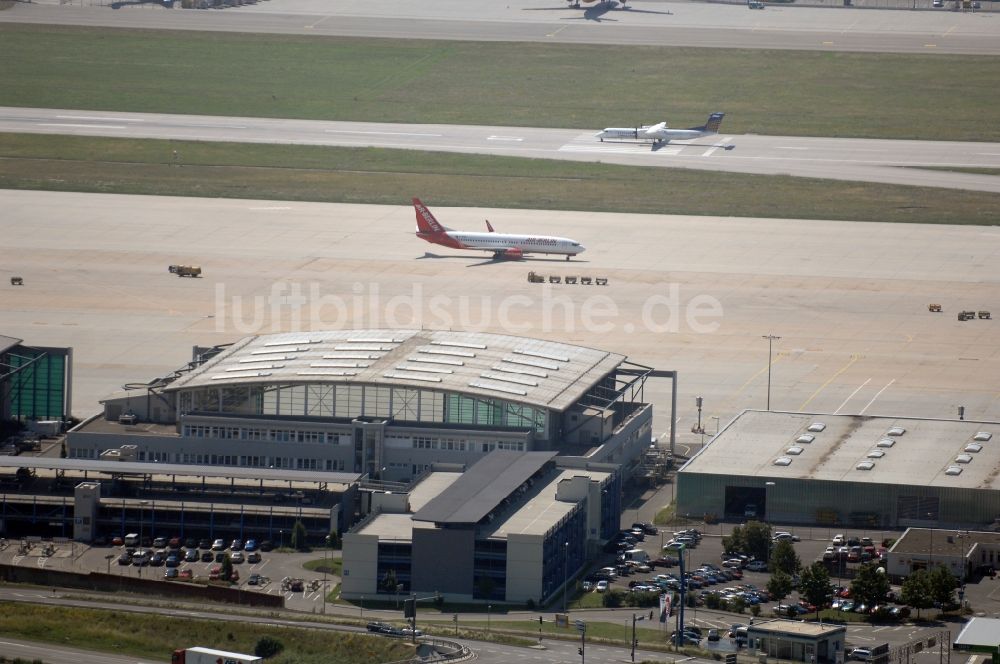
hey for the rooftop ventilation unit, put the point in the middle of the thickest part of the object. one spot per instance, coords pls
(895, 431)
(805, 438)
(794, 451)
(865, 465)
(876, 454)
(963, 458)
(973, 447)
(885, 442)
(953, 470)
(816, 427)
(783, 461)
(982, 436)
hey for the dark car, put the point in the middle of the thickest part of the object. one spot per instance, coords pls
(205, 544)
(125, 558)
(381, 627)
(251, 545)
(191, 556)
(171, 573)
(191, 543)
(253, 580)
(173, 560)
(207, 557)
(266, 545)
(156, 560)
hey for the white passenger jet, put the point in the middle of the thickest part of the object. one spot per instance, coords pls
(660, 133)
(503, 245)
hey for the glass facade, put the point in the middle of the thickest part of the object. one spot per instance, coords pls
(38, 390)
(353, 401)
(394, 561)
(489, 570)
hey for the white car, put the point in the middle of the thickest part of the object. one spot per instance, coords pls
(602, 586)
(782, 536)
(839, 539)
(587, 586)
(757, 566)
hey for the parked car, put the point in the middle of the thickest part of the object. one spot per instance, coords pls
(171, 573)
(254, 558)
(237, 558)
(214, 572)
(125, 558)
(783, 536)
(118, 541)
(587, 586)
(713, 635)
(757, 566)
(380, 627)
(602, 586)
(207, 557)
(237, 545)
(205, 544)
(266, 545)
(185, 575)
(191, 543)
(251, 545)
(160, 542)
(254, 580)
(839, 539)
(173, 560)
(191, 556)
(861, 654)
(174, 543)
(219, 545)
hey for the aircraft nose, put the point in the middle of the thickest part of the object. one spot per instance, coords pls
(582, 248)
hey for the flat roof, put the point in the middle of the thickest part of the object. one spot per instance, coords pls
(545, 374)
(543, 511)
(796, 628)
(483, 487)
(979, 632)
(922, 455)
(193, 470)
(941, 542)
(6, 343)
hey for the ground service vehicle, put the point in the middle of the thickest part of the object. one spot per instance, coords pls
(209, 656)
(185, 270)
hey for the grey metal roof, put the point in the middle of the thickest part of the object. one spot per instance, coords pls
(146, 468)
(922, 454)
(6, 343)
(482, 487)
(545, 374)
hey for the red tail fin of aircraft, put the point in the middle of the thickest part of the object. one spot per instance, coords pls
(426, 223)
(489, 226)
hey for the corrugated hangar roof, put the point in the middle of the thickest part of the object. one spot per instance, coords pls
(545, 374)
(855, 448)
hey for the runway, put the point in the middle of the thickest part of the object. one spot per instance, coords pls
(891, 162)
(693, 294)
(646, 22)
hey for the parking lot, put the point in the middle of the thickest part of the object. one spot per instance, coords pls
(273, 566)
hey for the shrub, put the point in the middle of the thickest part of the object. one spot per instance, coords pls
(268, 647)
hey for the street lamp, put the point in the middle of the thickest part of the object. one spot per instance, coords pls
(489, 611)
(770, 338)
(326, 559)
(565, 572)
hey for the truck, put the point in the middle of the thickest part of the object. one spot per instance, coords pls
(200, 655)
(185, 270)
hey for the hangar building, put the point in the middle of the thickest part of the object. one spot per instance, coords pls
(877, 472)
(514, 527)
(386, 404)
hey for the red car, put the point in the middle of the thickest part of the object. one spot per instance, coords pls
(185, 574)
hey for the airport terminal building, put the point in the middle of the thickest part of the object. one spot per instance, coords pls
(386, 404)
(851, 470)
(514, 527)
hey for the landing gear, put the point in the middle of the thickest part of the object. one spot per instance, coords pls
(567, 256)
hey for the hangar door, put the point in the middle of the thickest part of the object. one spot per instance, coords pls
(744, 502)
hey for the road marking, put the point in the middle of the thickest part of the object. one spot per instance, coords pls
(877, 396)
(504, 138)
(219, 126)
(378, 133)
(854, 358)
(271, 207)
(827, 43)
(553, 34)
(852, 396)
(85, 126)
(712, 149)
(930, 45)
(99, 119)
(783, 147)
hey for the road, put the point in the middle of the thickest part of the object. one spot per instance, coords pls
(647, 22)
(834, 158)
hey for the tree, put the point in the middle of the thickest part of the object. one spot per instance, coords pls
(780, 585)
(227, 568)
(815, 586)
(753, 539)
(917, 592)
(784, 558)
(870, 585)
(299, 537)
(268, 646)
(942, 583)
(333, 540)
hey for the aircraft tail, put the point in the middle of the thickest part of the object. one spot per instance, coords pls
(426, 223)
(713, 123)
(490, 226)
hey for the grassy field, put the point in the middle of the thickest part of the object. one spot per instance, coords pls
(524, 84)
(153, 637)
(364, 175)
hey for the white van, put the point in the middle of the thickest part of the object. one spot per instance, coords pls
(132, 539)
(637, 555)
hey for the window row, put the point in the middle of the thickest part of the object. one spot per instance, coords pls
(249, 433)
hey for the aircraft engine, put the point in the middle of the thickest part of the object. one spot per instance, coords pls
(513, 252)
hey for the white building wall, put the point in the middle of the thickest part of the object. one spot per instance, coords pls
(360, 565)
(524, 567)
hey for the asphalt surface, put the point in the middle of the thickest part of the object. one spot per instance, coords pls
(648, 22)
(894, 162)
(693, 294)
